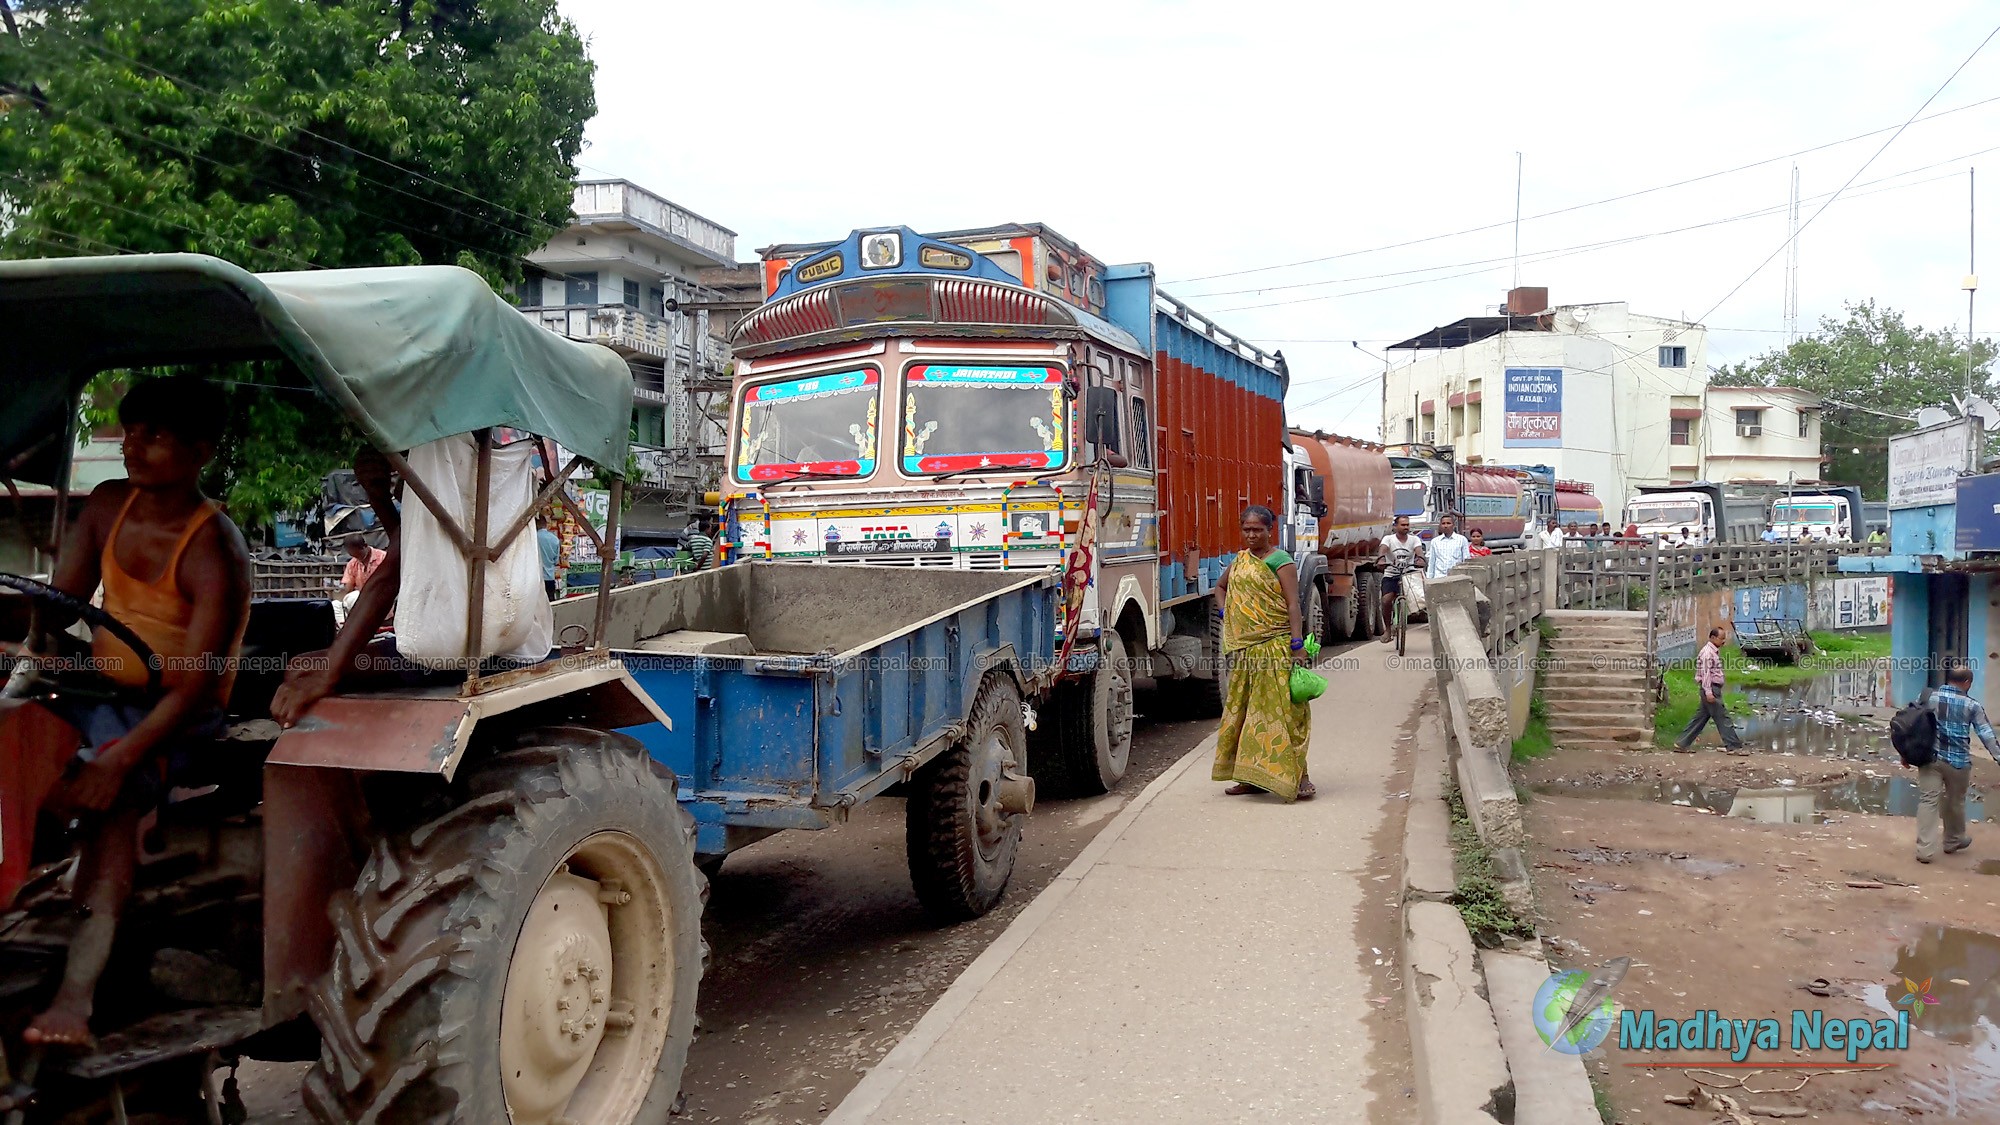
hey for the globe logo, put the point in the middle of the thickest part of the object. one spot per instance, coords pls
(1552, 1004)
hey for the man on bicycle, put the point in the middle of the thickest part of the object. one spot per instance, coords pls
(1400, 554)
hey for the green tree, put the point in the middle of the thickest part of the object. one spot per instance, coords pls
(1873, 370)
(283, 135)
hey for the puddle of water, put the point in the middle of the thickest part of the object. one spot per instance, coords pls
(1988, 867)
(1885, 795)
(1963, 969)
(1820, 716)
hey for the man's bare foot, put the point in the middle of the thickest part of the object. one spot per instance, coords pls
(62, 1026)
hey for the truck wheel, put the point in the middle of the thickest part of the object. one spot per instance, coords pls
(1084, 745)
(1209, 695)
(530, 957)
(1343, 619)
(961, 843)
(1368, 585)
(1315, 619)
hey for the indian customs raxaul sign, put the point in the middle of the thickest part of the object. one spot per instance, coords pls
(1533, 398)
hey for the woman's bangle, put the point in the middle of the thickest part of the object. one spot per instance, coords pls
(1298, 644)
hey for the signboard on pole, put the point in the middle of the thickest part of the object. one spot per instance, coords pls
(1533, 405)
(596, 504)
(1924, 465)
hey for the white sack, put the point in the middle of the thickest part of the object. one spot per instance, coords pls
(431, 606)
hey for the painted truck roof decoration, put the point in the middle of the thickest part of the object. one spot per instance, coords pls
(886, 251)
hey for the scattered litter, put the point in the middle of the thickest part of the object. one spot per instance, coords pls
(1865, 884)
(1645, 913)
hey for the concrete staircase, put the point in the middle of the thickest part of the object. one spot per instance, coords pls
(1595, 690)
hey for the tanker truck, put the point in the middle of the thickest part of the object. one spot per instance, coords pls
(1343, 501)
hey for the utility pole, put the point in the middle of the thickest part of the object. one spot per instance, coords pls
(1517, 221)
(1792, 265)
(1971, 270)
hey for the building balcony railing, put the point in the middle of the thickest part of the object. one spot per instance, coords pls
(620, 327)
(619, 201)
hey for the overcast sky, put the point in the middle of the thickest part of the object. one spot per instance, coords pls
(1211, 137)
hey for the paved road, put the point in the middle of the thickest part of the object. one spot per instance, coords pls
(822, 959)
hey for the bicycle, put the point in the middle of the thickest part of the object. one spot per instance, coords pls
(1399, 611)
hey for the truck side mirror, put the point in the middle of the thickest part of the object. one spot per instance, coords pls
(1316, 493)
(1100, 418)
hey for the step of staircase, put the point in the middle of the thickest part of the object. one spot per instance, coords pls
(1604, 744)
(1612, 709)
(1598, 698)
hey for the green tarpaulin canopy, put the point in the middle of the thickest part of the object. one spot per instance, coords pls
(410, 353)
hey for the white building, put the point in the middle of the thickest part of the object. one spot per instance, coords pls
(658, 284)
(1590, 390)
(1755, 433)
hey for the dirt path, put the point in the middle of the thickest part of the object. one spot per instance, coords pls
(1725, 913)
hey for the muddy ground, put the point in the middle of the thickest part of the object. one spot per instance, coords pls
(1726, 913)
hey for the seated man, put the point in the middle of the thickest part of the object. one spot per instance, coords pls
(314, 676)
(175, 571)
(362, 562)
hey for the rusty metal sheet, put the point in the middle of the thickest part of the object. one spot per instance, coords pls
(317, 855)
(362, 732)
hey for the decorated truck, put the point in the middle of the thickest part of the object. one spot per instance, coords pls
(999, 399)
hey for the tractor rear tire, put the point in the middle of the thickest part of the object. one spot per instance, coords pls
(1083, 744)
(530, 956)
(961, 845)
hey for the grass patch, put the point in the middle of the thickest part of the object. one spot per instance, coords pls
(1601, 1098)
(1535, 740)
(1836, 650)
(1477, 897)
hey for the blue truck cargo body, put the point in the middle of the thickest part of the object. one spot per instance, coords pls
(797, 690)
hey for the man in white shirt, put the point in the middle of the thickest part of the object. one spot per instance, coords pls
(1400, 554)
(1446, 549)
(1552, 536)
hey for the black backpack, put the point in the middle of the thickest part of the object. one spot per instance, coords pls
(1914, 733)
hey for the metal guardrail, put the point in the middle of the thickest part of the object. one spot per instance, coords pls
(1514, 584)
(272, 579)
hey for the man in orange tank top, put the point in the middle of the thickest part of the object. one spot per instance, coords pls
(175, 570)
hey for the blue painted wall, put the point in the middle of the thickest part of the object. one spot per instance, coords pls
(1909, 636)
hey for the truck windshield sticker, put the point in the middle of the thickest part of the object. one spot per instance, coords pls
(1678, 513)
(816, 425)
(957, 418)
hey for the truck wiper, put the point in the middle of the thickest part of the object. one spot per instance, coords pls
(978, 469)
(806, 474)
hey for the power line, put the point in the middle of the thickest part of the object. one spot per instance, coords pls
(1800, 229)
(1579, 206)
(1584, 248)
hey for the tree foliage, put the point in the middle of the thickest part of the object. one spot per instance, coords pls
(286, 135)
(1873, 370)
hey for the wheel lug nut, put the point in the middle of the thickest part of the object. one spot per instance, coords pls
(562, 1004)
(597, 996)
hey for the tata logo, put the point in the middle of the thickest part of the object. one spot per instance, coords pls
(886, 531)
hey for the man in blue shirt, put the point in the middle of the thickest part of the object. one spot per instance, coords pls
(1941, 784)
(550, 545)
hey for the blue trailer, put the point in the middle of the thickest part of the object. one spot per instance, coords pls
(797, 691)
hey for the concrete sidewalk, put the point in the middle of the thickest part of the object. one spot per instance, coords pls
(1198, 962)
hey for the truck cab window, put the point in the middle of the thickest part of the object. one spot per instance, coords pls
(1142, 435)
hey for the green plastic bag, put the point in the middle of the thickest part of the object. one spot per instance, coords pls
(1308, 685)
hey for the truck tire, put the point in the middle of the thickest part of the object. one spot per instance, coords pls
(1369, 586)
(961, 845)
(531, 956)
(1207, 696)
(1083, 744)
(1315, 618)
(1343, 618)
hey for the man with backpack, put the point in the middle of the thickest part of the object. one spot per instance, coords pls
(1945, 766)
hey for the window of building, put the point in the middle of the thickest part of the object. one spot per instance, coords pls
(656, 300)
(631, 294)
(580, 288)
(1805, 423)
(1681, 431)
(1749, 417)
(1142, 435)
(1409, 430)
(1673, 355)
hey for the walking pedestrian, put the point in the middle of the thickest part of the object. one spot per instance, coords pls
(1261, 746)
(1942, 781)
(1708, 680)
(549, 545)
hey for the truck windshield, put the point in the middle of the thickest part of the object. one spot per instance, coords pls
(817, 425)
(1800, 512)
(1679, 513)
(958, 418)
(1412, 497)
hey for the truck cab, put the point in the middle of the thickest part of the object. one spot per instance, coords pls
(1665, 513)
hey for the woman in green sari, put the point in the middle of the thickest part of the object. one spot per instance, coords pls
(1262, 743)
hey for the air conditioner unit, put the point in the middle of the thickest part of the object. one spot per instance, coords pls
(1749, 431)
(1430, 437)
